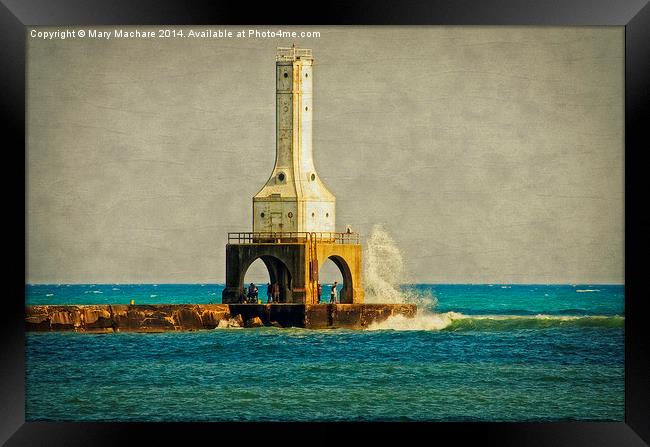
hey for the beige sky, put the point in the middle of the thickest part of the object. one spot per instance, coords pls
(490, 154)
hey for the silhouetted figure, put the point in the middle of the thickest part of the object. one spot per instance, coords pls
(334, 293)
(269, 297)
(252, 293)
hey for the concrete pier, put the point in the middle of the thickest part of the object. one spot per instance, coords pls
(292, 260)
(189, 317)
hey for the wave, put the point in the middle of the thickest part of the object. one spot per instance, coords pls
(454, 321)
(384, 273)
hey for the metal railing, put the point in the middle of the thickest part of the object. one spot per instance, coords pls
(292, 53)
(287, 237)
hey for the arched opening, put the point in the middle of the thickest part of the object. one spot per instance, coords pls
(257, 275)
(336, 269)
(262, 272)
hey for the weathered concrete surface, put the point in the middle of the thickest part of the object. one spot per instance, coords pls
(188, 317)
(294, 199)
(353, 316)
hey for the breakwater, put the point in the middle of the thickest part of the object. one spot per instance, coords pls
(187, 317)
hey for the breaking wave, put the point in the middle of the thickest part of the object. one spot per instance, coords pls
(453, 321)
(384, 273)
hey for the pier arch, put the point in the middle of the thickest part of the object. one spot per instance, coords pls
(277, 272)
(343, 275)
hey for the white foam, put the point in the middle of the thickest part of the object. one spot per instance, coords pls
(384, 272)
(231, 323)
(429, 321)
(423, 321)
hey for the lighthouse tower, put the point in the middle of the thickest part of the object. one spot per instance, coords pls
(294, 199)
(294, 214)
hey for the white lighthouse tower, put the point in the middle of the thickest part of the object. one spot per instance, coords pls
(294, 213)
(294, 199)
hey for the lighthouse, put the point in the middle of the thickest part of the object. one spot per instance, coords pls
(294, 214)
(294, 199)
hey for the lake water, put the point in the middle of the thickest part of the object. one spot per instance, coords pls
(474, 352)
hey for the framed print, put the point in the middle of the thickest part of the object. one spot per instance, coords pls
(428, 217)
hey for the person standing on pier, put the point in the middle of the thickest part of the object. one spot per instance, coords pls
(252, 293)
(269, 298)
(319, 288)
(334, 293)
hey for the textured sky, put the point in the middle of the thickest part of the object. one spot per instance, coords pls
(489, 154)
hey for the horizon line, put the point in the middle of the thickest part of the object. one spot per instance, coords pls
(402, 284)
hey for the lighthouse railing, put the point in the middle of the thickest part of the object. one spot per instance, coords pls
(292, 53)
(287, 237)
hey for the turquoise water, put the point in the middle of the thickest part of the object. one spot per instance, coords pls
(480, 352)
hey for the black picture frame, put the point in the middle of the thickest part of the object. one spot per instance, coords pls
(15, 15)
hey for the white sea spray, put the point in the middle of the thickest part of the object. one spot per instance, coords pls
(385, 273)
(383, 278)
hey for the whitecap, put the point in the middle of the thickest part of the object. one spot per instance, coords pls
(423, 321)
